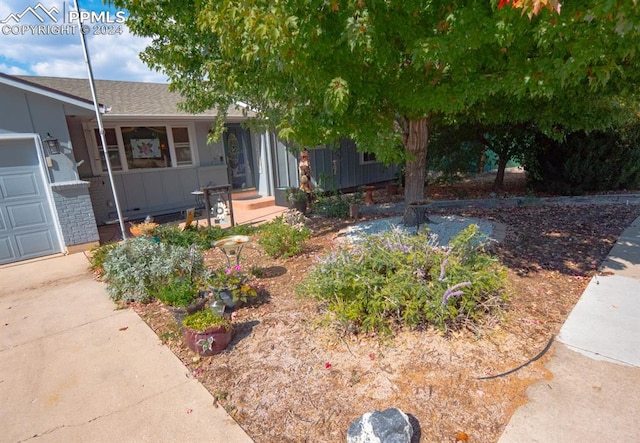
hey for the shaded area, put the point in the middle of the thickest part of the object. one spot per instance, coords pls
(572, 240)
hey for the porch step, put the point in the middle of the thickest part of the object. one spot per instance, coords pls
(250, 194)
(249, 204)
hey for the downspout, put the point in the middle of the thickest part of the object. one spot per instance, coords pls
(270, 181)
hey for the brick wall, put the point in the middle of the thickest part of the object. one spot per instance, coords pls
(75, 212)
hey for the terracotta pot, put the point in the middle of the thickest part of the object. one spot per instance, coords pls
(209, 342)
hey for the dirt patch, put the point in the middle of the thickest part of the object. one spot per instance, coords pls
(288, 377)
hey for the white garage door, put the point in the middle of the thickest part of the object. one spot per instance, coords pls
(27, 224)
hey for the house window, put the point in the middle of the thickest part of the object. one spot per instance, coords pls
(181, 146)
(146, 147)
(367, 157)
(112, 149)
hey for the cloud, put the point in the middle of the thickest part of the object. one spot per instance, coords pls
(113, 57)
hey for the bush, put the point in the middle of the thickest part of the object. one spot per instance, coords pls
(598, 161)
(395, 278)
(281, 239)
(137, 268)
(178, 291)
(97, 257)
(333, 206)
(201, 236)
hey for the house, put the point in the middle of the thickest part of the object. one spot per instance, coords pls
(53, 198)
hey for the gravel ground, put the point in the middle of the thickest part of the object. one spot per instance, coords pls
(441, 228)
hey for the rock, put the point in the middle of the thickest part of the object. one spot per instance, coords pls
(388, 426)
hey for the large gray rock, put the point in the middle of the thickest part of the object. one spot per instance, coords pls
(388, 426)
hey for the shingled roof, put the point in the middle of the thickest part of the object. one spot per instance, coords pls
(124, 98)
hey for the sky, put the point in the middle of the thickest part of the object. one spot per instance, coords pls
(38, 38)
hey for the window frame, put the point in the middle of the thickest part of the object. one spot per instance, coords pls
(364, 161)
(96, 146)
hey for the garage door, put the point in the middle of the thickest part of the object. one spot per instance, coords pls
(27, 226)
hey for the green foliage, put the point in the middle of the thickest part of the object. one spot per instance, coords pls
(206, 319)
(396, 278)
(137, 268)
(201, 236)
(333, 206)
(598, 161)
(178, 291)
(231, 279)
(296, 195)
(378, 72)
(98, 255)
(281, 239)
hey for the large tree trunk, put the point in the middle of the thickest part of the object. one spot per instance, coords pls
(498, 183)
(415, 143)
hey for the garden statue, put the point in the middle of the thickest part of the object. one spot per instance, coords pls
(305, 174)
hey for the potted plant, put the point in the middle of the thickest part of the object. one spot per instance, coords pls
(182, 295)
(206, 333)
(145, 228)
(298, 199)
(230, 285)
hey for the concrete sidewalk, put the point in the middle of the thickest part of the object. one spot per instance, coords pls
(75, 369)
(594, 395)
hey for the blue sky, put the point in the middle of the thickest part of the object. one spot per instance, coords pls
(29, 51)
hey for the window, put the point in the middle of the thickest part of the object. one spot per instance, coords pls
(112, 149)
(181, 145)
(367, 157)
(146, 147)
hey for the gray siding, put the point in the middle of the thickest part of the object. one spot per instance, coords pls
(151, 192)
(343, 166)
(25, 112)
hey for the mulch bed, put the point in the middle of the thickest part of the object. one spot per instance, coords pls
(289, 377)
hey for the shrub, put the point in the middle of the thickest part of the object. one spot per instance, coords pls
(333, 206)
(137, 268)
(178, 291)
(202, 236)
(395, 278)
(98, 255)
(281, 239)
(598, 161)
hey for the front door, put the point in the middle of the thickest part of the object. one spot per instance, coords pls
(27, 224)
(237, 146)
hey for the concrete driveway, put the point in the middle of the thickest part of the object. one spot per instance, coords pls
(73, 368)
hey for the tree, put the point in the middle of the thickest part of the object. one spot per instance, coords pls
(380, 72)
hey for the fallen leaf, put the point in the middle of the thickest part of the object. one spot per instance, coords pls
(124, 328)
(461, 436)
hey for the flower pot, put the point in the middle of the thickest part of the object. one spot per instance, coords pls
(180, 312)
(209, 342)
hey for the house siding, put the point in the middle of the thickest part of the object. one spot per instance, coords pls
(341, 167)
